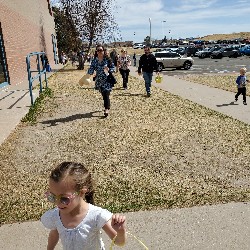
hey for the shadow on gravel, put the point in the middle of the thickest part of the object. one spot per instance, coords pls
(227, 104)
(129, 94)
(67, 70)
(118, 88)
(71, 118)
(87, 88)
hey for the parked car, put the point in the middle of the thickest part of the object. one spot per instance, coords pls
(206, 52)
(191, 50)
(245, 50)
(226, 51)
(168, 59)
(180, 50)
(162, 49)
(138, 46)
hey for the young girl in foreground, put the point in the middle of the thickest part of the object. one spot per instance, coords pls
(75, 220)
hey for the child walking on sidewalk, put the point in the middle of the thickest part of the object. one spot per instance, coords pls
(75, 220)
(241, 82)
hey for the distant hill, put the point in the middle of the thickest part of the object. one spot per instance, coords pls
(244, 35)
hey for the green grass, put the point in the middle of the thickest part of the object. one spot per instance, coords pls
(37, 107)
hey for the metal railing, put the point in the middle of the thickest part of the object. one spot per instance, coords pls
(40, 59)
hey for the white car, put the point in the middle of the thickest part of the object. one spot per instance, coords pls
(138, 46)
(168, 59)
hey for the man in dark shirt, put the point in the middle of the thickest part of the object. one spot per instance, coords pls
(147, 64)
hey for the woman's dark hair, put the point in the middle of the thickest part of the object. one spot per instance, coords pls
(79, 174)
(105, 50)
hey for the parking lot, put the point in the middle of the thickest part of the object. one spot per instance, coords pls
(212, 66)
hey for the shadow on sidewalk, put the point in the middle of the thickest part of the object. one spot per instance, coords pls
(55, 122)
(227, 104)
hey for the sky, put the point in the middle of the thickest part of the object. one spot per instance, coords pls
(180, 18)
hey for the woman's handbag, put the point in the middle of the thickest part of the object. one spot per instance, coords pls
(111, 79)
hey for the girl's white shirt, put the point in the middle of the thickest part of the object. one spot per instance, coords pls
(86, 235)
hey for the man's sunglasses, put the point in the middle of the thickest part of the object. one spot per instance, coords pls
(99, 50)
(63, 199)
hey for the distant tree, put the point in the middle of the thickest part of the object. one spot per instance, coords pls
(66, 31)
(147, 40)
(93, 20)
(164, 40)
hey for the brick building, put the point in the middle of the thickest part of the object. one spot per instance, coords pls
(26, 26)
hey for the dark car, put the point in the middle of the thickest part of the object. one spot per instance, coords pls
(206, 52)
(227, 51)
(191, 50)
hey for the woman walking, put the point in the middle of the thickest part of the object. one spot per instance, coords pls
(124, 62)
(104, 67)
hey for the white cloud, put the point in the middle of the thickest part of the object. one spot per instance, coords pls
(184, 18)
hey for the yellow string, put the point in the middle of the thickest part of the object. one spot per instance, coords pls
(113, 242)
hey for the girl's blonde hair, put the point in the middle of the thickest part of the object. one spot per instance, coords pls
(78, 173)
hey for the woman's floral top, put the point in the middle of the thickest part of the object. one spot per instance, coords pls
(124, 62)
(101, 82)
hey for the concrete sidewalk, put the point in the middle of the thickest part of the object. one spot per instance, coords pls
(213, 98)
(220, 227)
(217, 227)
(15, 102)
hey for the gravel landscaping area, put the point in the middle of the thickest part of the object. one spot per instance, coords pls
(150, 153)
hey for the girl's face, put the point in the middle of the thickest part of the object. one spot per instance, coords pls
(64, 195)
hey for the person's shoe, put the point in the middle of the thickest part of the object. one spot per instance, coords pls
(106, 112)
(148, 94)
(244, 103)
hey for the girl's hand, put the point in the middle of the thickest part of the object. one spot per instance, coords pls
(118, 223)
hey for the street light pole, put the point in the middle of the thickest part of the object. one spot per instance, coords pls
(149, 30)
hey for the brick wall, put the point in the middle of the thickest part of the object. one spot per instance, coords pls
(27, 26)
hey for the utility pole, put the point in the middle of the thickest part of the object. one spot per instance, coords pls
(162, 26)
(149, 31)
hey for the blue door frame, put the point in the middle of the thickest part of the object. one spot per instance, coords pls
(3, 61)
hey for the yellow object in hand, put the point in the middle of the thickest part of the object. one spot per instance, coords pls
(158, 79)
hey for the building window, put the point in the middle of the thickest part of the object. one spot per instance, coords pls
(4, 76)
